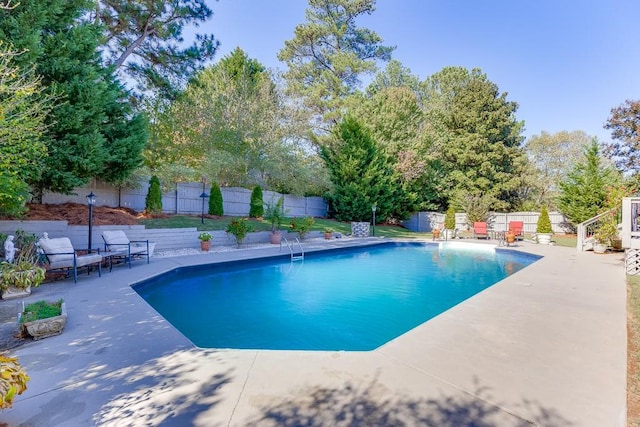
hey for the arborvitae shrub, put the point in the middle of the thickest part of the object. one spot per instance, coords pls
(544, 223)
(215, 200)
(256, 210)
(450, 219)
(153, 201)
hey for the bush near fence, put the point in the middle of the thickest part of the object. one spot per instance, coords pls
(185, 199)
(425, 222)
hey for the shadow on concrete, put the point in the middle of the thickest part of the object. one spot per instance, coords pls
(352, 406)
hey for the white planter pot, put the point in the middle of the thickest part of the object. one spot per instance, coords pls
(14, 292)
(449, 234)
(544, 238)
(600, 248)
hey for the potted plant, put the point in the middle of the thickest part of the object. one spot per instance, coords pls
(302, 225)
(239, 228)
(43, 319)
(205, 240)
(13, 380)
(606, 232)
(450, 223)
(543, 227)
(18, 277)
(274, 213)
(436, 233)
(328, 233)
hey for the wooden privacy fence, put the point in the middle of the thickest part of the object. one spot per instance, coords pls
(185, 199)
(425, 222)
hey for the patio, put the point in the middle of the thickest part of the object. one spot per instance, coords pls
(546, 346)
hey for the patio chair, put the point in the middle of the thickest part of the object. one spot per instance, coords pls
(517, 228)
(62, 256)
(117, 246)
(480, 230)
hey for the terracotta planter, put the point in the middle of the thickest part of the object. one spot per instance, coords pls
(48, 327)
(275, 238)
(327, 236)
(510, 238)
(205, 245)
(436, 234)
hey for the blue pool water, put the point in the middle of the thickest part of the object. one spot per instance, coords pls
(357, 299)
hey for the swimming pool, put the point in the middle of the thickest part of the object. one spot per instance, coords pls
(356, 299)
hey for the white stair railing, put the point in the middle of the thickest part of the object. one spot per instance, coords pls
(588, 228)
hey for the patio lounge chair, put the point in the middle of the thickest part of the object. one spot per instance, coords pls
(62, 256)
(118, 246)
(517, 228)
(480, 230)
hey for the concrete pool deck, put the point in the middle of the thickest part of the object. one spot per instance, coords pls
(546, 346)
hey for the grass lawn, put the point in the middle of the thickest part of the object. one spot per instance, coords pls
(220, 223)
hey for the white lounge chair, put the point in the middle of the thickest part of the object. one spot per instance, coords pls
(62, 256)
(117, 245)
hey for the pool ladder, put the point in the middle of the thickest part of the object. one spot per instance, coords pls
(294, 257)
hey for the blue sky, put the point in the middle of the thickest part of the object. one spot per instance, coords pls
(566, 63)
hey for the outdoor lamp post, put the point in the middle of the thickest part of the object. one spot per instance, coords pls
(373, 210)
(203, 196)
(91, 200)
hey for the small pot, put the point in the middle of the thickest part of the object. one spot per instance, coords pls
(275, 238)
(205, 245)
(436, 233)
(327, 235)
(510, 238)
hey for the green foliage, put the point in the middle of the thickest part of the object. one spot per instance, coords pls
(583, 193)
(361, 174)
(302, 225)
(205, 236)
(450, 218)
(153, 201)
(544, 222)
(239, 228)
(551, 157)
(215, 200)
(91, 130)
(274, 213)
(145, 40)
(476, 136)
(256, 205)
(14, 194)
(476, 206)
(240, 130)
(41, 310)
(13, 380)
(624, 124)
(329, 53)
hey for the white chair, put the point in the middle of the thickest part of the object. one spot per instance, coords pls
(117, 245)
(62, 256)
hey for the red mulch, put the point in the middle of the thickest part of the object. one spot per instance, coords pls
(78, 214)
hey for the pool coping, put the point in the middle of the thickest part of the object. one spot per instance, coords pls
(546, 346)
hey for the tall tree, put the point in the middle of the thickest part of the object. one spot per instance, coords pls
(360, 172)
(583, 193)
(144, 37)
(476, 136)
(233, 124)
(329, 53)
(22, 117)
(91, 130)
(553, 156)
(624, 124)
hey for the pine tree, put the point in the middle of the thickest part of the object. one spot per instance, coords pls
(583, 193)
(361, 174)
(256, 209)
(153, 201)
(91, 131)
(215, 200)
